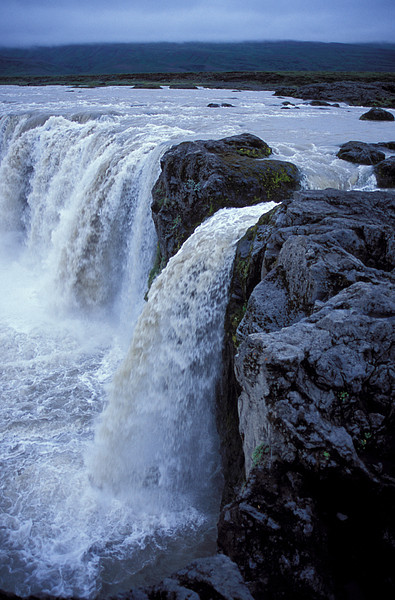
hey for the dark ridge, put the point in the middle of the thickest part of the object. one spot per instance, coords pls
(95, 59)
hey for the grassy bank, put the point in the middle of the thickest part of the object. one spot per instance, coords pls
(248, 80)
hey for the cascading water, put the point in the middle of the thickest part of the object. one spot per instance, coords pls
(148, 437)
(91, 504)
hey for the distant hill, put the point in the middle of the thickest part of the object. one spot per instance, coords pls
(95, 59)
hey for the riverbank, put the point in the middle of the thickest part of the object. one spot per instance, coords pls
(354, 88)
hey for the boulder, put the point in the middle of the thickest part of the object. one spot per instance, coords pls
(360, 153)
(198, 178)
(315, 375)
(377, 114)
(319, 103)
(385, 173)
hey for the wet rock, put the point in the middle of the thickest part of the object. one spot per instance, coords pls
(389, 145)
(319, 103)
(198, 178)
(360, 153)
(377, 114)
(214, 577)
(314, 366)
(352, 92)
(385, 173)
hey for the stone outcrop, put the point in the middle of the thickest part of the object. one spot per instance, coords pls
(360, 153)
(377, 114)
(317, 410)
(372, 154)
(351, 92)
(198, 178)
(385, 173)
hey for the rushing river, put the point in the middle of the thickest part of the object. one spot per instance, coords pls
(109, 467)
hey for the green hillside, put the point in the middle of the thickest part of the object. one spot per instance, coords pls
(95, 59)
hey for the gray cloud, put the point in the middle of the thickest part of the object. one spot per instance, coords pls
(35, 22)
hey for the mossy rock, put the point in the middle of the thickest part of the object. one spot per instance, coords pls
(199, 178)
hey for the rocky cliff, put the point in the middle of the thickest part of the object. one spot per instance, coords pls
(314, 366)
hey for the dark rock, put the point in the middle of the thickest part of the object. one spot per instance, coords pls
(168, 589)
(213, 105)
(389, 145)
(385, 173)
(319, 103)
(227, 105)
(317, 411)
(377, 114)
(351, 92)
(360, 153)
(214, 577)
(198, 178)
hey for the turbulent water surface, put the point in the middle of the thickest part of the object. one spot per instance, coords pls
(110, 473)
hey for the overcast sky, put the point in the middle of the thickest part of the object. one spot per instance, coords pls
(50, 22)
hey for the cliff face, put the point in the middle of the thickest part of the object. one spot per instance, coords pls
(316, 404)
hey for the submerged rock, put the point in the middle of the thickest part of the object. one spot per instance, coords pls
(198, 178)
(360, 153)
(316, 405)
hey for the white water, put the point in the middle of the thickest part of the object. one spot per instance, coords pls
(85, 513)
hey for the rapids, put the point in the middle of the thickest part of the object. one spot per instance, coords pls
(110, 473)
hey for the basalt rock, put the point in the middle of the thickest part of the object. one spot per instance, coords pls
(314, 365)
(198, 178)
(360, 153)
(385, 173)
(377, 114)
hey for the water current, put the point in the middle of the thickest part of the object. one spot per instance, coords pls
(109, 467)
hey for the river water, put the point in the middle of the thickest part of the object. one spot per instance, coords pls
(109, 468)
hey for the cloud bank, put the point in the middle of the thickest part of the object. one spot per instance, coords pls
(52, 22)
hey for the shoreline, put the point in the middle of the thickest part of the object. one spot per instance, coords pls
(371, 89)
(248, 80)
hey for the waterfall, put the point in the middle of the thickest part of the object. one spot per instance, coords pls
(78, 191)
(157, 434)
(106, 481)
